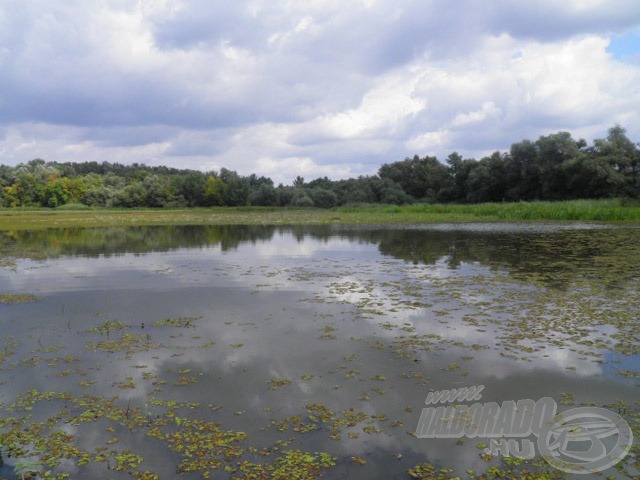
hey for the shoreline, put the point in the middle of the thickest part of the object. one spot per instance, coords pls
(596, 211)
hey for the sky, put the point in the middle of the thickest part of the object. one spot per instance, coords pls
(309, 87)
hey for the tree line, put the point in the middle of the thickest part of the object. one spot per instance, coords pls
(554, 167)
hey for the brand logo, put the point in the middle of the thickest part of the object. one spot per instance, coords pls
(580, 440)
(585, 440)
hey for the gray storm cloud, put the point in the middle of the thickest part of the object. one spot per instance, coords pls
(281, 88)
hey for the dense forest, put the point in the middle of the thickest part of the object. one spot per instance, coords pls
(554, 167)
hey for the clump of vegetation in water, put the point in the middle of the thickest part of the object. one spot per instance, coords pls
(14, 298)
(108, 326)
(276, 383)
(179, 322)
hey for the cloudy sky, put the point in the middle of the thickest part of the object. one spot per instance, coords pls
(309, 87)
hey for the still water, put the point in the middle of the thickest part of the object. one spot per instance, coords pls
(184, 351)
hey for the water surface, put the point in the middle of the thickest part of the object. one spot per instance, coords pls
(319, 339)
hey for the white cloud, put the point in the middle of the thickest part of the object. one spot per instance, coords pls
(488, 110)
(339, 88)
(430, 142)
(280, 170)
(383, 110)
(525, 89)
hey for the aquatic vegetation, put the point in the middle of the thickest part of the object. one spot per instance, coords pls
(15, 298)
(186, 380)
(276, 383)
(452, 367)
(292, 464)
(179, 322)
(327, 333)
(108, 326)
(128, 383)
(128, 342)
(23, 437)
(294, 423)
(203, 445)
(28, 469)
(426, 471)
(354, 420)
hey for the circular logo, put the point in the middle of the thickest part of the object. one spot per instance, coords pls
(585, 440)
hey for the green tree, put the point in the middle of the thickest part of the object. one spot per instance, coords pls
(284, 195)
(54, 194)
(553, 151)
(619, 154)
(459, 170)
(358, 190)
(591, 176)
(24, 191)
(192, 188)
(487, 181)
(422, 178)
(524, 172)
(132, 196)
(12, 196)
(263, 195)
(158, 192)
(98, 196)
(301, 198)
(322, 197)
(237, 191)
(214, 192)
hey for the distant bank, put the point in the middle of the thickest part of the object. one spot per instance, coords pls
(610, 210)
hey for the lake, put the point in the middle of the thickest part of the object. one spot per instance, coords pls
(255, 352)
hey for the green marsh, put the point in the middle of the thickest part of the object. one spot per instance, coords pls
(614, 210)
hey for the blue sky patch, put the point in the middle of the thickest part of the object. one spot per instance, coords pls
(626, 47)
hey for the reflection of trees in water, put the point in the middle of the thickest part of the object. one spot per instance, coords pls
(611, 257)
(607, 255)
(93, 242)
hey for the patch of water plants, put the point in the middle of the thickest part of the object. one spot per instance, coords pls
(199, 445)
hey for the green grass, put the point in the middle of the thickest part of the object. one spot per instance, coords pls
(574, 210)
(614, 210)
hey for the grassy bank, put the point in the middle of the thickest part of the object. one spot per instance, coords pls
(577, 210)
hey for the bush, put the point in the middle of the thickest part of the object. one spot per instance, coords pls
(97, 196)
(73, 206)
(323, 198)
(302, 201)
